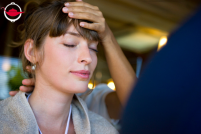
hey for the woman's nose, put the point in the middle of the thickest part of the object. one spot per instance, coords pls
(84, 55)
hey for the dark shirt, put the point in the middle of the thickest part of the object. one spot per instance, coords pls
(167, 97)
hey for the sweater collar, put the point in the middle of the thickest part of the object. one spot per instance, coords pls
(79, 114)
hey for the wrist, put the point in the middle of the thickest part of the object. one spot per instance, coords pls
(110, 42)
(108, 39)
(107, 35)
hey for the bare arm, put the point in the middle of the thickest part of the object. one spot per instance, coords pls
(121, 71)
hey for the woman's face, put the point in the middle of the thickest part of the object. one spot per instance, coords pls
(65, 55)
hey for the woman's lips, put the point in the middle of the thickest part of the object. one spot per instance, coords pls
(84, 75)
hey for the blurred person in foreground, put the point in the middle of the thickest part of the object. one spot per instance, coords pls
(167, 97)
(62, 52)
(47, 74)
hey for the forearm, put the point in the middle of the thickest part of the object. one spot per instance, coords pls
(121, 71)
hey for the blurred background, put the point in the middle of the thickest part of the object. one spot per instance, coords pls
(141, 28)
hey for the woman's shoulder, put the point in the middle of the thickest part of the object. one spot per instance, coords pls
(6, 105)
(16, 115)
(12, 102)
(6, 114)
(100, 125)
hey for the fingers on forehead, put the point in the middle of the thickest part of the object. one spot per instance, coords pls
(80, 3)
(84, 16)
(81, 9)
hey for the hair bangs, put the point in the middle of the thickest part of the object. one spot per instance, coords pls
(62, 22)
(85, 33)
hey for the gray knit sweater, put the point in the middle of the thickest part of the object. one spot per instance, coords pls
(17, 117)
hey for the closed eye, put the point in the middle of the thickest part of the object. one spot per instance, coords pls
(94, 50)
(69, 45)
(75, 45)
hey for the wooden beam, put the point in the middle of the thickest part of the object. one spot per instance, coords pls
(132, 15)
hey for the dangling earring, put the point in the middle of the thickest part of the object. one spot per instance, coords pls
(33, 67)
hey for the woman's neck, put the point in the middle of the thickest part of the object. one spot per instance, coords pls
(50, 107)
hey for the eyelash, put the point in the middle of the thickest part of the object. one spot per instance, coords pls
(74, 45)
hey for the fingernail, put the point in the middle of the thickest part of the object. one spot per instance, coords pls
(67, 4)
(65, 9)
(71, 14)
(22, 81)
(81, 24)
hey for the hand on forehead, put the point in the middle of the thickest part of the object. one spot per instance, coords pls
(84, 11)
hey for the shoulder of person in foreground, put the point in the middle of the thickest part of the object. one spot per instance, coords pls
(16, 115)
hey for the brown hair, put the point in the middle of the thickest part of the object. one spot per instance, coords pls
(45, 19)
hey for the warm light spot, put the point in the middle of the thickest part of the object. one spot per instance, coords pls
(162, 42)
(111, 85)
(90, 85)
(6, 66)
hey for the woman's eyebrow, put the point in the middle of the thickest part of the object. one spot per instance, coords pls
(74, 34)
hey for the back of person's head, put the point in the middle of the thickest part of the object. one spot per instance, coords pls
(47, 19)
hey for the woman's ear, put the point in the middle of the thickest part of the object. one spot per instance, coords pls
(29, 51)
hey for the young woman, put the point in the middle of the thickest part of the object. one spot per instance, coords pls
(63, 57)
(105, 102)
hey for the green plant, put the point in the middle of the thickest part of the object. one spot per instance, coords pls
(15, 77)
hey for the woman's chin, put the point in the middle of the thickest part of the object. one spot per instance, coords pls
(79, 88)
